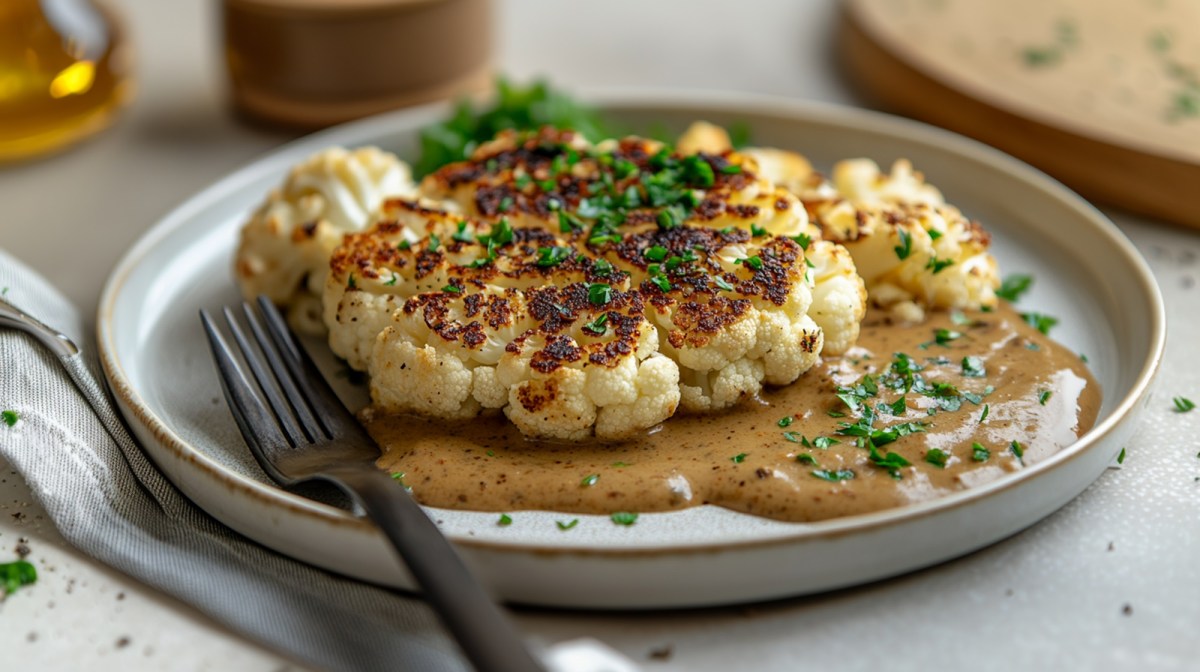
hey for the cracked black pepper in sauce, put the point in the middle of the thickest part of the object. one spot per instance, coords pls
(754, 458)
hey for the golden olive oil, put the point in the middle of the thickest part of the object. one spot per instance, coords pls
(63, 74)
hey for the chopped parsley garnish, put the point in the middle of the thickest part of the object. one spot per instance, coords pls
(393, 280)
(567, 525)
(979, 453)
(625, 518)
(1121, 456)
(785, 421)
(824, 442)
(739, 458)
(891, 462)
(755, 262)
(732, 169)
(434, 242)
(655, 253)
(1018, 450)
(939, 265)
(937, 457)
(505, 519)
(722, 284)
(796, 437)
(453, 289)
(599, 294)
(1042, 323)
(670, 217)
(806, 458)
(1182, 404)
(14, 575)
(517, 107)
(905, 247)
(972, 367)
(945, 336)
(602, 268)
(9, 417)
(833, 476)
(624, 168)
(462, 235)
(568, 223)
(1014, 286)
(757, 231)
(601, 239)
(619, 464)
(553, 256)
(1044, 396)
(404, 245)
(589, 480)
(983, 416)
(697, 171)
(934, 234)
(505, 205)
(803, 240)
(659, 279)
(351, 283)
(598, 325)
(398, 476)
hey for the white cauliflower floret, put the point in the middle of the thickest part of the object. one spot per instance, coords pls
(911, 250)
(421, 379)
(839, 295)
(285, 246)
(861, 182)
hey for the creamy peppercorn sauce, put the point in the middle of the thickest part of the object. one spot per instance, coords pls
(1037, 393)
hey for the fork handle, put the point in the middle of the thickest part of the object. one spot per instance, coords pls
(486, 635)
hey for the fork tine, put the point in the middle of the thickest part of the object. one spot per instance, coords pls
(254, 420)
(286, 378)
(332, 414)
(283, 417)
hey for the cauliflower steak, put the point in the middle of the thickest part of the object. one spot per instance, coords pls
(588, 290)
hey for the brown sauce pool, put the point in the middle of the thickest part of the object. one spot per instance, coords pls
(1034, 391)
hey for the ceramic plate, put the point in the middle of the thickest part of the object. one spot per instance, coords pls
(1087, 273)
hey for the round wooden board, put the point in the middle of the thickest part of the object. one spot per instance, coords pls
(1102, 94)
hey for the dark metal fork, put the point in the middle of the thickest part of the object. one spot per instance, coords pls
(304, 433)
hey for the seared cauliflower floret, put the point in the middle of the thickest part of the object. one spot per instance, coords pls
(559, 365)
(373, 272)
(285, 247)
(912, 251)
(731, 308)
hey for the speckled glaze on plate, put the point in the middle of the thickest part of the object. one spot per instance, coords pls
(1088, 275)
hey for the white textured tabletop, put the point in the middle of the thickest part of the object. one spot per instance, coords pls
(1111, 581)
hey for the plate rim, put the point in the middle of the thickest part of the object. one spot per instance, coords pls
(709, 101)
